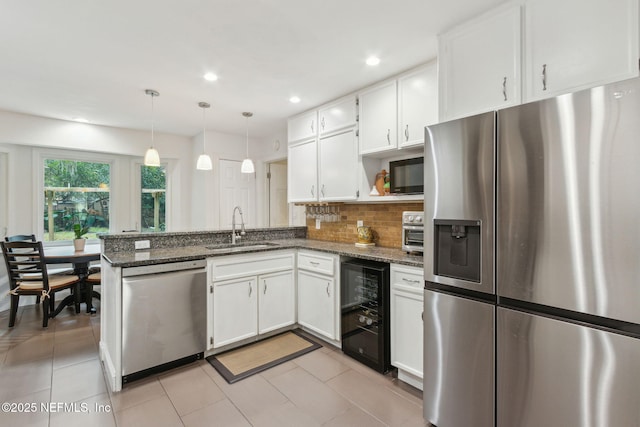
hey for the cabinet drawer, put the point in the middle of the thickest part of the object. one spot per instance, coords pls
(407, 276)
(230, 267)
(316, 263)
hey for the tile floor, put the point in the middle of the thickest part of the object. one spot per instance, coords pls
(59, 368)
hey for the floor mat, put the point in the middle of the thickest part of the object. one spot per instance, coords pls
(237, 364)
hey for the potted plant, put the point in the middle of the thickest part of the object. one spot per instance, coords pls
(80, 240)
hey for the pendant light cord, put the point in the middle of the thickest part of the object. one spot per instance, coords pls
(247, 137)
(152, 121)
(204, 132)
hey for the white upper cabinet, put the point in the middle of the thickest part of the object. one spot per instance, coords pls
(378, 118)
(576, 44)
(337, 115)
(417, 104)
(304, 126)
(303, 171)
(480, 64)
(338, 166)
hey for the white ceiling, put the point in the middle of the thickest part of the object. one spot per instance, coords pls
(93, 59)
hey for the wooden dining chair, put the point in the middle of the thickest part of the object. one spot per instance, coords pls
(28, 275)
(23, 238)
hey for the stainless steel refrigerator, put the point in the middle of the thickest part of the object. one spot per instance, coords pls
(564, 302)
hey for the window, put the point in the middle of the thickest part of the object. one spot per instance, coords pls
(75, 192)
(153, 198)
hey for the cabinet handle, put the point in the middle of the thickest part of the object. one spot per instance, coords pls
(250, 289)
(389, 136)
(410, 280)
(328, 294)
(504, 88)
(312, 126)
(544, 76)
(265, 287)
(322, 123)
(322, 190)
(313, 191)
(314, 263)
(406, 133)
(422, 316)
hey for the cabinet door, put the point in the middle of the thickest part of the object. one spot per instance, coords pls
(301, 127)
(276, 301)
(338, 115)
(235, 310)
(417, 104)
(576, 44)
(303, 172)
(338, 166)
(378, 118)
(317, 303)
(480, 64)
(406, 329)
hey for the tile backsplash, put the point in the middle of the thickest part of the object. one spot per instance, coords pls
(385, 219)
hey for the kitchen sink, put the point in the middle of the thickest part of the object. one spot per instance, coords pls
(231, 248)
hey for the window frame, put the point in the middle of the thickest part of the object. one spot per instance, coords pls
(79, 156)
(135, 200)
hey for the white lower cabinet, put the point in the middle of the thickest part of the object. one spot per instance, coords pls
(235, 314)
(250, 295)
(406, 323)
(276, 301)
(318, 298)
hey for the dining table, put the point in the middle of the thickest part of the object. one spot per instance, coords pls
(81, 260)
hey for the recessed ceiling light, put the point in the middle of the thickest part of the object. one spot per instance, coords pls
(80, 120)
(210, 77)
(294, 99)
(373, 60)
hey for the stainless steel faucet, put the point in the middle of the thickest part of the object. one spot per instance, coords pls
(234, 237)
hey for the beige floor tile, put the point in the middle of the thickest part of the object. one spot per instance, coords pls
(354, 416)
(220, 414)
(96, 411)
(136, 393)
(407, 391)
(378, 401)
(78, 382)
(34, 348)
(25, 378)
(158, 412)
(32, 415)
(321, 365)
(68, 335)
(190, 389)
(286, 415)
(251, 396)
(73, 352)
(310, 394)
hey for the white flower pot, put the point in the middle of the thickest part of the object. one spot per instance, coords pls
(78, 244)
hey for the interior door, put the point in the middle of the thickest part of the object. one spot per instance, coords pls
(236, 189)
(278, 208)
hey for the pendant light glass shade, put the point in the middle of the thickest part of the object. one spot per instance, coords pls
(247, 164)
(204, 161)
(151, 157)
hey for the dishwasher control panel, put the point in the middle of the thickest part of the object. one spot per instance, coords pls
(163, 268)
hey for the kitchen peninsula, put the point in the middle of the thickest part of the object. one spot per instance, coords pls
(260, 254)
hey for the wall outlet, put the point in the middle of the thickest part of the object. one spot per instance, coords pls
(142, 244)
(317, 224)
(360, 223)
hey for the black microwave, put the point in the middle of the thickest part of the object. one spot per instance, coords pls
(407, 176)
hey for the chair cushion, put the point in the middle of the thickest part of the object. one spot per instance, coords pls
(56, 281)
(94, 278)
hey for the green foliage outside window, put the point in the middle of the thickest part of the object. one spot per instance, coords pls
(75, 192)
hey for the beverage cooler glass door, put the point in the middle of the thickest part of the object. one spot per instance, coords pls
(365, 314)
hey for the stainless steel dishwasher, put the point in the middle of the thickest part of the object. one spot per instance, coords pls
(164, 316)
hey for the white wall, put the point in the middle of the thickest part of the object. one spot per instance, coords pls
(26, 139)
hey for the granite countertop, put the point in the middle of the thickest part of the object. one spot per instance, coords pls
(186, 253)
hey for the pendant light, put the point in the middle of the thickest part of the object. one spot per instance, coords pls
(247, 164)
(204, 161)
(151, 157)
